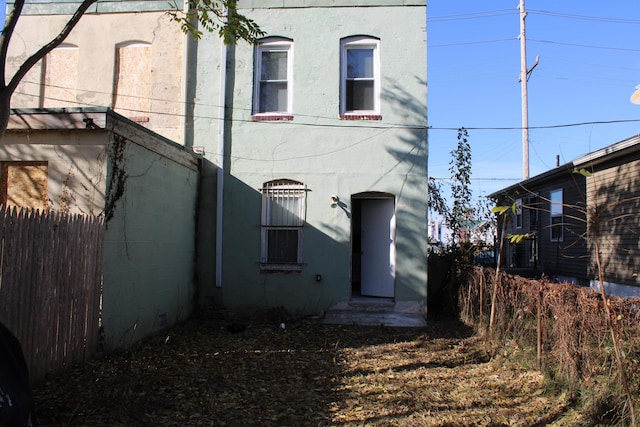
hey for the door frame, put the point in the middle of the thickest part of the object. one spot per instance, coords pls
(356, 249)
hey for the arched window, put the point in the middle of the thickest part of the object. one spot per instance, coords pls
(273, 85)
(60, 75)
(360, 77)
(132, 85)
(283, 217)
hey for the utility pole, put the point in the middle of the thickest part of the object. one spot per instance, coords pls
(523, 85)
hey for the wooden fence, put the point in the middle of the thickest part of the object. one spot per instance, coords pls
(50, 286)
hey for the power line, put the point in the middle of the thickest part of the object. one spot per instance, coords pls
(584, 17)
(342, 123)
(470, 43)
(473, 15)
(566, 125)
(584, 45)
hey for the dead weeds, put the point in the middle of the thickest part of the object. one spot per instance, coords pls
(308, 374)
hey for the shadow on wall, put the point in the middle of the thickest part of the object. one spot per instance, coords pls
(248, 289)
(61, 176)
(411, 155)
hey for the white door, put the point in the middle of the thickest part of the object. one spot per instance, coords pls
(378, 261)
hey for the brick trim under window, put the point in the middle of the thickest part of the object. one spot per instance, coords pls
(360, 117)
(271, 118)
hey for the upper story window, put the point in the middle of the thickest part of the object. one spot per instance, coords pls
(132, 84)
(283, 217)
(518, 213)
(556, 209)
(360, 78)
(60, 77)
(273, 91)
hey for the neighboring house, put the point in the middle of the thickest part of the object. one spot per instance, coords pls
(131, 60)
(613, 196)
(94, 161)
(477, 231)
(551, 209)
(322, 148)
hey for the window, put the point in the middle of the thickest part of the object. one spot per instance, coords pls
(132, 84)
(24, 184)
(60, 77)
(518, 213)
(556, 216)
(273, 79)
(283, 215)
(360, 78)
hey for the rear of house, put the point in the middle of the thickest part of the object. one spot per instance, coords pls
(322, 155)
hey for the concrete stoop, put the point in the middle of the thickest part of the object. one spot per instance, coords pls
(376, 312)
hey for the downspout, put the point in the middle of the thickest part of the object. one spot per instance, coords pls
(186, 69)
(221, 163)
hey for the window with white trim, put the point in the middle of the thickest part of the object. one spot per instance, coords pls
(283, 217)
(360, 76)
(557, 219)
(273, 77)
(518, 213)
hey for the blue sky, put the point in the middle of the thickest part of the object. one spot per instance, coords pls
(589, 67)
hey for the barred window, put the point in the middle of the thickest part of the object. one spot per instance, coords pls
(283, 216)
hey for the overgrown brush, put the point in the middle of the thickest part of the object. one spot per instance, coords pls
(567, 335)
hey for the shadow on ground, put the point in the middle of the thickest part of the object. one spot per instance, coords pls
(308, 374)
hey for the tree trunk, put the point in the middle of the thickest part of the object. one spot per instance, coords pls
(5, 111)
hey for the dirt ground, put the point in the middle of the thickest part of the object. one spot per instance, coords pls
(307, 374)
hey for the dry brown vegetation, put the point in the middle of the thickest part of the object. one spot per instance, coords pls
(566, 331)
(310, 374)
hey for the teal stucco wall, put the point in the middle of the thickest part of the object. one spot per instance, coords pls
(330, 156)
(149, 252)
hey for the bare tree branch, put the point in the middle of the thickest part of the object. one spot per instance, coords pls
(44, 50)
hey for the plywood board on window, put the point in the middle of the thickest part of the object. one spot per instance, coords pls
(24, 184)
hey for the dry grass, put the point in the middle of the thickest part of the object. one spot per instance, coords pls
(308, 375)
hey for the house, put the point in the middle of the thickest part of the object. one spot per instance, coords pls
(549, 210)
(312, 180)
(613, 190)
(128, 58)
(94, 161)
(320, 137)
(564, 211)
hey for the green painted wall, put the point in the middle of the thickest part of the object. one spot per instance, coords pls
(149, 243)
(329, 155)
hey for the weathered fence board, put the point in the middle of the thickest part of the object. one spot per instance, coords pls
(50, 285)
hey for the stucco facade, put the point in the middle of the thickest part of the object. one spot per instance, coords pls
(356, 171)
(357, 161)
(127, 60)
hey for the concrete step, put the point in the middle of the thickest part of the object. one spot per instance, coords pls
(376, 312)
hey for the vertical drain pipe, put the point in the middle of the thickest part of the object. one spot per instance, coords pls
(221, 161)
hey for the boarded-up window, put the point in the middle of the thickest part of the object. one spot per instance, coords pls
(24, 184)
(132, 86)
(60, 78)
